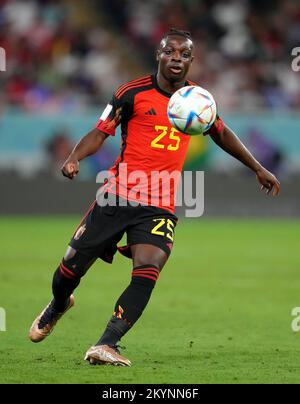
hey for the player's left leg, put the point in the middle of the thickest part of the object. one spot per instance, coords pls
(96, 237)
(148, 261)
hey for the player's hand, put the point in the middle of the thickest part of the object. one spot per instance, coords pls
(70, 168)
(268, 181)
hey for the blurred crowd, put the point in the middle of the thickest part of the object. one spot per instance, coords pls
(243, 47)
(59, 56)
(68, 55)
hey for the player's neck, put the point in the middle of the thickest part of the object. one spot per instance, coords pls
(167, 86)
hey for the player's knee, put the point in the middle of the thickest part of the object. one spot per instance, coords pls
(75, 264)
(70, 253)
(157, 263)
(149, 255)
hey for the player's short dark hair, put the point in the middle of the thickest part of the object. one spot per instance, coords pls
(178, 32)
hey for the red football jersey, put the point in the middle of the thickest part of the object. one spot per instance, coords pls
(153, 152)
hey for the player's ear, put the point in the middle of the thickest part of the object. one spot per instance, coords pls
(192, 59)
(158, 52)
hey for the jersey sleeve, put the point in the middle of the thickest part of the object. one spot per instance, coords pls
(216, 128)
(118, 111)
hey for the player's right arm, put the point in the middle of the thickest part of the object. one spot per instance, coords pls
(87, 146)
(93, 141)
(118, 111)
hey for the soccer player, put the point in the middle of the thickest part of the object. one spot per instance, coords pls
(149, 144)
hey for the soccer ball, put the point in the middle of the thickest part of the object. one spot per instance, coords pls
(192, 110)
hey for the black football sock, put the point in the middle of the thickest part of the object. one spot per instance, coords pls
(67, 277)
(130, 304)
(62, 288)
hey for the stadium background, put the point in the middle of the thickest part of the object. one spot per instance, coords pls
(63, 61)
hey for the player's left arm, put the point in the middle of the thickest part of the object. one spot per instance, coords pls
(225, 138)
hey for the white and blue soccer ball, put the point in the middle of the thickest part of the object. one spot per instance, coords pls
(192, 110)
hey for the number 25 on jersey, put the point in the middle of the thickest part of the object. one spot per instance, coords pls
(174, 139)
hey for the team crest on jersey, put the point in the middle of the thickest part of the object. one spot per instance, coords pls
(80, 232)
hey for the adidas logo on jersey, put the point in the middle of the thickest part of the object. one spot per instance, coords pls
(151, 112)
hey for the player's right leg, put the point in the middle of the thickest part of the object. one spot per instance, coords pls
(65, 280)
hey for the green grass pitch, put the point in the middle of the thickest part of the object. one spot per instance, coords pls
(221, 312)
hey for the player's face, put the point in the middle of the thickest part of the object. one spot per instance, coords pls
(175, 56)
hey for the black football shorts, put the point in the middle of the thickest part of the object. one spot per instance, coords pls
(103, 227)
